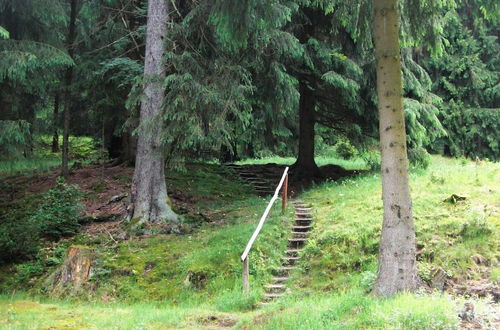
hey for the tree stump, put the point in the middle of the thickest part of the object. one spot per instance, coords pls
(74, 271)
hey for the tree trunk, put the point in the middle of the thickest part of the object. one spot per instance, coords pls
(305, 167)
(67, 90)
(74, 272)
(149, 191)
(397, 270)
(55, 137)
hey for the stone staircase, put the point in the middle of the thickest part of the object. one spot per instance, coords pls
(262, 182)
(300, 231)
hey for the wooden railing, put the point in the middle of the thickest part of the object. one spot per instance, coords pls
(244, 257)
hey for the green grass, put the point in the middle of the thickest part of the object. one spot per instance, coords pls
(82, 148)
(349, 213)
(10, 167)
(356, 163)
(198, 267)
(33, 314)
(347, 310)
(355, 310)
(194, 280)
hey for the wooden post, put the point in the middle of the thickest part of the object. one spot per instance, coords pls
(246, 283)
(284, 195)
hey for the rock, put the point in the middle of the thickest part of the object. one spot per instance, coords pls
(439, 278)
(480, 260)
(454, 198)
(117, 198)
(467, 312)
(98, 218)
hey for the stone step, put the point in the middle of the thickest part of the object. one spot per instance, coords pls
(301, 205)
(303, 222)
(276, 286)
(297, 239)
(304, 228)
(304, 215)
(298, 234)
(280, 279)
(248, 174)
(290, 261)
(283, 271)
(303, 219)
(255, 182)
(272, 295)
(293, 251)
(303, 209)
(291, 258)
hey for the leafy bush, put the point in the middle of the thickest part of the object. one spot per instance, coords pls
(52, 216)
(57, 214)
(346, 150)
(84, 148)
(419, 158)
(19, 239)
(28, 270)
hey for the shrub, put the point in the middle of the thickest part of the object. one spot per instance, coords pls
(52, 216)
(58, 213)
(346, 150)
(19, 239)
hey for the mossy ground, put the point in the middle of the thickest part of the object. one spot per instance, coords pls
(193, 280)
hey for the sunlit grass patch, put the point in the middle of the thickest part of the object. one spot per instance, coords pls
(355, 310)
(356, 163)
(450, 235)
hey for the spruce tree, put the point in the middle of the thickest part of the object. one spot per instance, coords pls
(149, 191)
(397, 269)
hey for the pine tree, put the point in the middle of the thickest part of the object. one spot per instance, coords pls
(397, 256)
(67, 88)
(149, 191)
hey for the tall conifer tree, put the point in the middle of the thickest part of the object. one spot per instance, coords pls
(149, 191)
(397, 256)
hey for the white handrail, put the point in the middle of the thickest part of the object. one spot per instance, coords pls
(264, 216)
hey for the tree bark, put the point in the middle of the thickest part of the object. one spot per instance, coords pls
(67, 90)
(305, 167)
(149, 191)
(397, 270)
(55, 137)
(73, 274)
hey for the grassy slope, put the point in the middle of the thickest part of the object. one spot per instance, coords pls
(198, 274)
(349, 215)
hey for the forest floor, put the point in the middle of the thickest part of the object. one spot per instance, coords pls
(193, 280)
